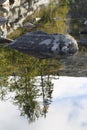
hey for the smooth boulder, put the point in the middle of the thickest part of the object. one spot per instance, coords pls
(44, 44)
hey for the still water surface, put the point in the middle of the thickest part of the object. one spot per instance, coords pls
(68, 109)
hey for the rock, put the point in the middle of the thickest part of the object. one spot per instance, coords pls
(2, 20)
(28, 25)
(3, 10)
(2, 1)
(85, 22)
(44, 44)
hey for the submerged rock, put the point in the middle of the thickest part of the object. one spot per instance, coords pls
(44, 44)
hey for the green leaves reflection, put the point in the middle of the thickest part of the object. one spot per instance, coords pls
(27, 82)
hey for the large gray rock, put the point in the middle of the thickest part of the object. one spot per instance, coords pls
(2, 20)
(45, 44)
(2, 1)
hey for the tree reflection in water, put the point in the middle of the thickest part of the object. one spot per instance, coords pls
(30, 87)
(31, 82)
(33, 96)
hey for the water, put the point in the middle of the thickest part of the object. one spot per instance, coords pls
(67, 110)
(43, 93)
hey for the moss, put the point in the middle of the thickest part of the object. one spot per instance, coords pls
(16, 33)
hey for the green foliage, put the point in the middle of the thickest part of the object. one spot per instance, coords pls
(64, 2)
(12, 61)
(53, 18)
(16, 33)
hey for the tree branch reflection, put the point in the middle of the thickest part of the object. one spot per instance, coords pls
(30, 87)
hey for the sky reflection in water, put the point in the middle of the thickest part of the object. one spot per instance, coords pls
(68, 110)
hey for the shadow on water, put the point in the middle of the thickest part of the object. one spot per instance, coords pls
(29, 79)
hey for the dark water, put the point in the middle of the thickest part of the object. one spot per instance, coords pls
(39, 93)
